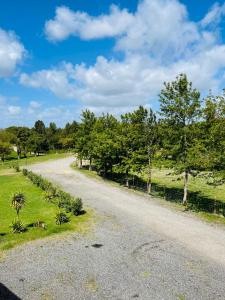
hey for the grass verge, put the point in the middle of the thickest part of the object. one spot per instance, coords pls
(162, 179)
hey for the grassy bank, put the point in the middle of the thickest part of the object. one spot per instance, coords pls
(35, 209)
(31, 159)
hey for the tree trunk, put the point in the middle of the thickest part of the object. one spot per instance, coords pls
(149, 181)
(127, 180)
(81, 163)
(90, 165)
(185, 188)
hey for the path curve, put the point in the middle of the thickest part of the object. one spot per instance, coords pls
(138, 249)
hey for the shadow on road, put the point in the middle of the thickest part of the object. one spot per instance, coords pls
(6, 294)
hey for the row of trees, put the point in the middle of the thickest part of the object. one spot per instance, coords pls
(187, 132)
(39, 139)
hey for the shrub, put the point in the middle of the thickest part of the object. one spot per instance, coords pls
(61, 218)
(25, 172)
(65, 200)
(40, 224)
(16, 167)
(17, 227)
(48, 195)
(76, 206)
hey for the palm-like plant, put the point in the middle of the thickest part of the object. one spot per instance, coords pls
(18, 201)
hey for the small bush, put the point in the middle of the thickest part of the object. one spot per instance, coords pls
(16, 167)
(61, 218)
(76, 206)
(17, 227)
(65, 200)
(40, 224)
(25, 172)
(49, 196)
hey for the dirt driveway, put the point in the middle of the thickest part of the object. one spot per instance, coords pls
(137, 249)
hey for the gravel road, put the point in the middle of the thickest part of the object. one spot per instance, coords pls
(138, 249)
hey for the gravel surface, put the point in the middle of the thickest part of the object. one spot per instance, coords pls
(136, 250)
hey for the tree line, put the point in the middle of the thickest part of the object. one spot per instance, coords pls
(187, 133)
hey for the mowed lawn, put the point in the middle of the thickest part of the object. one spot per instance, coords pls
(167, 178)
(36, 209)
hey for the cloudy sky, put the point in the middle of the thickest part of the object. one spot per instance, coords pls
(59, 57)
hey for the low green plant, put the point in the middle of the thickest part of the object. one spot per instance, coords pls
(76, 206)
(17, 227)
(61, 218)
(16, 167)
(25, 172)
(18, 201)
(49, 196)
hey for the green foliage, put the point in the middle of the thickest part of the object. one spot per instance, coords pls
(17, 227)
(25, 172)
(37, 209)
(65, 200)
(76, 206)
(61, 218)
(16, 167)
(18, 201)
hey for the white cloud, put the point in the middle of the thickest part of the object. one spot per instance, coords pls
(34, 104)
(12, 53)
(213, 17)
(159, 43)
(14, 110)
(67, 22)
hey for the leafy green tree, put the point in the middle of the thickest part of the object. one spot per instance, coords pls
(105, 143)
(39, 127)
(151, 134)
(5, 146)
(180, 108)
(5, 149)
(84, 138)
(214, 131)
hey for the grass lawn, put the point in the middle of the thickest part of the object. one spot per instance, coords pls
(12, 159)
(165, 177)
(35, 209)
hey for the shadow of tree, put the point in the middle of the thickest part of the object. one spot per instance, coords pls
(197, 201)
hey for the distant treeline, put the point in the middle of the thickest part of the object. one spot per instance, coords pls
(188, 134)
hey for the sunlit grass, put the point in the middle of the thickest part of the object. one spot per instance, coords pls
(35, 209)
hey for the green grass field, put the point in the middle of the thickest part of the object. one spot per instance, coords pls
(12, 159)
(35, 209)
(165, 177)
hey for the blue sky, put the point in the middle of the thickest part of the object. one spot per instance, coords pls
(59, 57)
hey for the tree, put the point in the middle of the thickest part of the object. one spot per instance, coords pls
(5, 149)
(22, 141)
(5, 146)
(214, 131)
(84, 138)
(39, 127)
(18, 201)
(151, 143)
(180, 109)
(105, 143)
